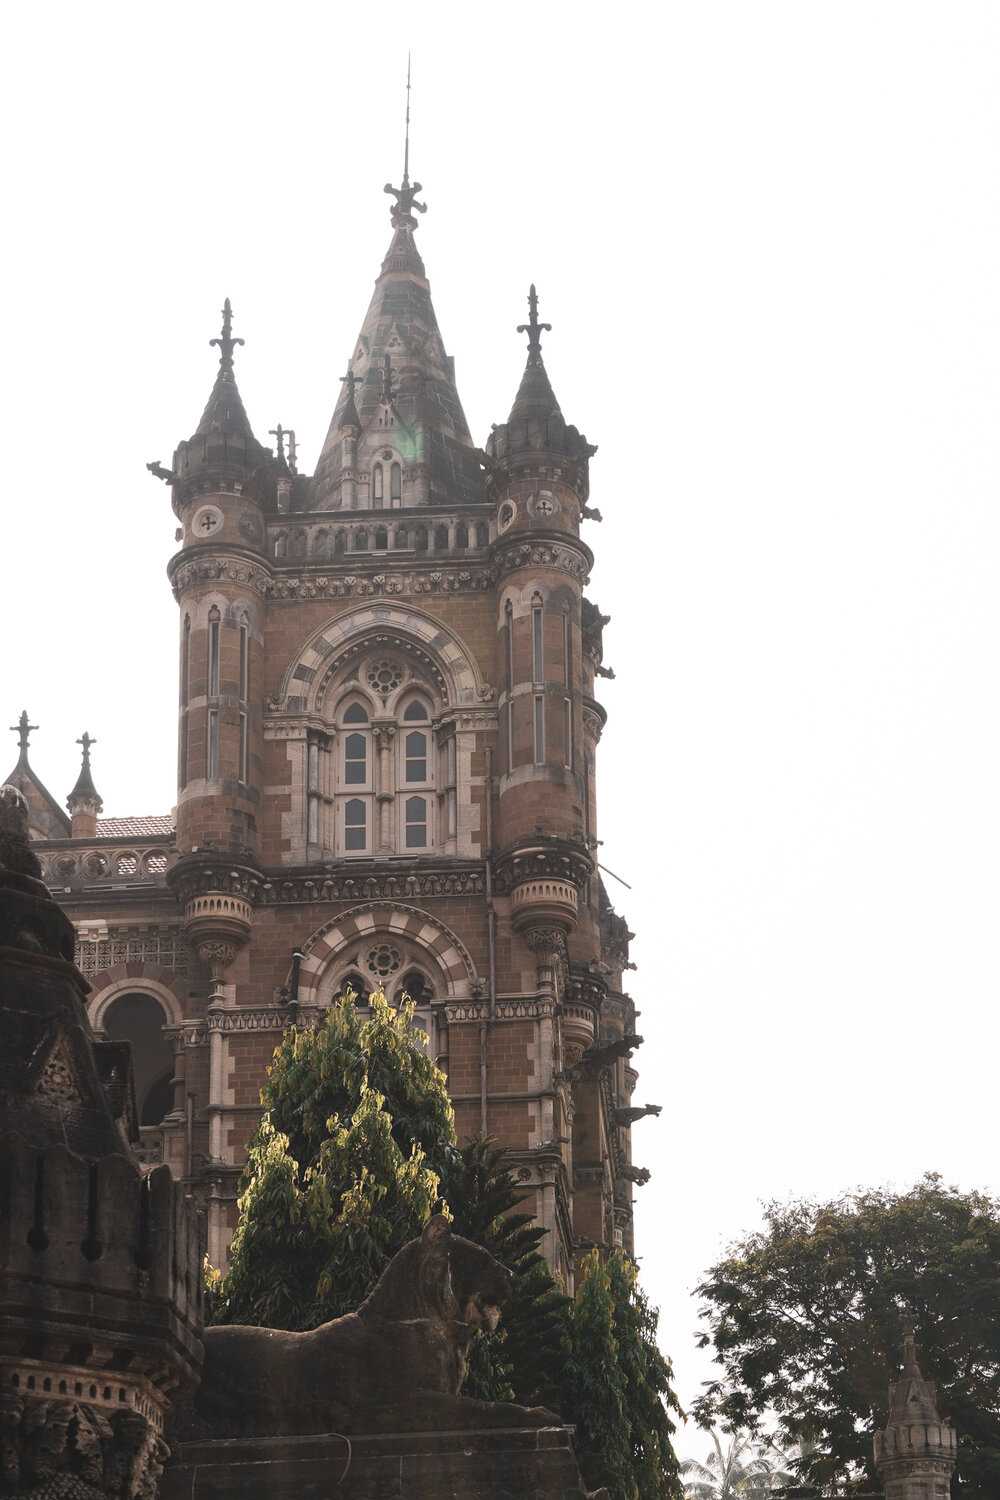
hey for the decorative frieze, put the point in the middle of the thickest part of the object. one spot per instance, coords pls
(211, 568)
(388, 585)
(389, 885)
(529, 1008)
(165, 948)
(525, 554)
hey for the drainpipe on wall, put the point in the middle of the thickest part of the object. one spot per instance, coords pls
(491, 933)
(293, 988)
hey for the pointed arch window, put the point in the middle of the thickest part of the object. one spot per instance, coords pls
(356, 785)
(395, 485)
(377, 490)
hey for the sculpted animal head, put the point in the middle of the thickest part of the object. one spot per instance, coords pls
(445, 1277)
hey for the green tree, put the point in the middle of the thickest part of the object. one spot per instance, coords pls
(806, 1318)
(342, 1170)
(735, 1471)
(649, 1396)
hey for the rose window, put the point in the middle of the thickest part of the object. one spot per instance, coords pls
(384, 676)
(384, 960)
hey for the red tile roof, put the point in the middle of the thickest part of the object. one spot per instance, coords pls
(135, 828)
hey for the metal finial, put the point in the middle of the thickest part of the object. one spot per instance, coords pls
(22, 728)
(406, 146)
(406, 195)
(86, 741)
(281, 433)
(533, 328)
(350, 380)
(226, 343)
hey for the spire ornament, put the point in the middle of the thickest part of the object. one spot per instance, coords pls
(534, 329)
(226, 343)
(401, 212)
(86, 741)
(22, 729)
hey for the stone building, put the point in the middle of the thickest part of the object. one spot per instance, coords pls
(386, 775)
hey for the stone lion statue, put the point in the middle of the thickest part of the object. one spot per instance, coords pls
(395, 1365)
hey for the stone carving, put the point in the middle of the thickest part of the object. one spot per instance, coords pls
(15, 850)
(63, 1449)
(395, 1365)
(340, 887)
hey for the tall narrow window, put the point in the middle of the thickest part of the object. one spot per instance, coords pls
(182, 758)
(377, 487)
(243, 746)
(212, 756)
(539, 729)
(395, 485)
(355, 760)
(416, 756)
(509, 616)
(355, 825)
(213, 654)
(537, 659)
(568, 730)
(461, 535)
(244, 740)
(416, 822)
(565, 625)
(451, 789)
(244, 664)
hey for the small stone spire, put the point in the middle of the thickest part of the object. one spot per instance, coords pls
(916, 1453)
(84, 801)
(535, 396)
(22, 729)
(349, 415)
(225, 412)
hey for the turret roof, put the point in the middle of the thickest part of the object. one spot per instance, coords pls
(85, 790)
(413, 396)
(225, 411)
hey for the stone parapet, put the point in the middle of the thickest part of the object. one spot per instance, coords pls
(512, 1464)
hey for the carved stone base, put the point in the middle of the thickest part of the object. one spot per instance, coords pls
(516, 1464)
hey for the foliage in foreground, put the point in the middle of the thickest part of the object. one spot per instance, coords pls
(806, 1318)
(355, 1149)
(734, 1470)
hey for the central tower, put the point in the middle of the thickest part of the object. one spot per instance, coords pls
(387, 755)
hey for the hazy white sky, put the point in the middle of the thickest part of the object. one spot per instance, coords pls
(767, 237)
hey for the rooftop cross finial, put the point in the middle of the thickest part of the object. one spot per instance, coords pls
(406, 195)
(22, 728)
(533, 328)
(226, 343)
(279, 433)
(86, 741)
(350, 380)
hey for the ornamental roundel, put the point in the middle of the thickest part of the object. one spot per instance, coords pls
(206, 521)
(384, 676)
(249, 526)
(384, 960)
(544, 505)
(505, 517)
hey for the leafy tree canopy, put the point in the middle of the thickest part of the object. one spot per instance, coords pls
(735, 1469)
(806, 1318)
(342, 1170)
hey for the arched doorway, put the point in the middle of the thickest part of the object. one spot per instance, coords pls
(139, 1019)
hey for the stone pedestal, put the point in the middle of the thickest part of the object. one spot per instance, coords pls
(511, 1464)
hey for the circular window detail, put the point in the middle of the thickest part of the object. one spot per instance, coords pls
(384, 960)
(544, 505)
(206, 521)
(64, 865)
(97, 865)
(127, 864)
(505, 517)
(249, 526)
(154, 864)
(384, 676)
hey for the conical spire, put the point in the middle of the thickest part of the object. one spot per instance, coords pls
(85, 794)
(225, 411)
(535, 396)
(417, 413)
(22, 729)
(912, 1397)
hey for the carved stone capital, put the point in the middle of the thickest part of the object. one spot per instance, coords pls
(217, 957)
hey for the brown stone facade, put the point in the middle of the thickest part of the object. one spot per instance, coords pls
(387, 777)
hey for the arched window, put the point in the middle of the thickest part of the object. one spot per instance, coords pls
(381, 539)
(461, 535)
(441, 539)
(139, 1019)
(377, 487)
(402, 537)
(361, 541)
(482, 534)
(355, 800)
(421, 542)
(395, 485)
(416, 770)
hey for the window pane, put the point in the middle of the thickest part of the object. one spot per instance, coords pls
(356, 715)
(416, 757)
(395, 482)
(416, 823)
(355, 760)
(354, 824)
(415, 711)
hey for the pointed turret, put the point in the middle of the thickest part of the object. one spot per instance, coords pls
(48, 821)
(223, 438)
(536, 424)
(84, 801)
(398, 437)
(915, 1455)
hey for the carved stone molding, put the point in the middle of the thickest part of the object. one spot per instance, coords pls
(252, 1018)
(217, 957)
(215, 569)
(505, 1010)
(391, 885)
(545, 942)
(59, 1445)
(164, 947)
(204, 872)
(525, 554)
(555, 860)
(321, 585)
